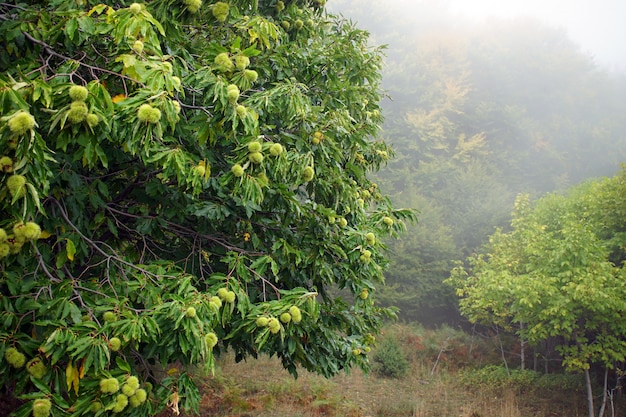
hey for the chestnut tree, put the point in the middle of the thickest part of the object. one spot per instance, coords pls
(180, 178)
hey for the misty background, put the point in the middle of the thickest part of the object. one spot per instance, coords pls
(486, 100)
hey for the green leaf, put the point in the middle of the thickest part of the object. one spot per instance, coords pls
(70, 27)
(122, 364)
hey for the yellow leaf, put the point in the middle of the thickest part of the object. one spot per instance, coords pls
(71, 377)
(96, 9)
(69, 371)
(45, 234)
(118, 98)
(70, 249)
(76, 381)
(82, 371)
(173, 403)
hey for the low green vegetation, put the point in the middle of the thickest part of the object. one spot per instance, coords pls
(498, 377)
(389, 359)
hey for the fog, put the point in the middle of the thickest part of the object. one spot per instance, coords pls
(488, 99)
(597, 26)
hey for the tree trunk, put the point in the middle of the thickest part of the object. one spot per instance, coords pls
(522, 349)
(589, 393)
(506, 365)
(605, 393)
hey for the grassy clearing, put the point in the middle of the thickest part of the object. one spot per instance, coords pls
(262, 388)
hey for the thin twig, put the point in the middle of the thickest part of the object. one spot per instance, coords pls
(52, 52)
(443, 347)
(43, 266)
(97, 248)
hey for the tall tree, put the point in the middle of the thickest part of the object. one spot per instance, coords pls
(179, 178)
(418, 263)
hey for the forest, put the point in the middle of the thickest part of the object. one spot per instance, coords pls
(187, 184)
(477, 115)
(500, 129)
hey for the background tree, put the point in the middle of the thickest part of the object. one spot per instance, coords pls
(478, 114)
(179, 178)
(557, 273)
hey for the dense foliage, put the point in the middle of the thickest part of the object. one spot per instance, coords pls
(179, 178)
(389, 360)
(557, 274)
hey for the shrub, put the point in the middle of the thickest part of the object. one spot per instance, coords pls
(389, 360)
(497, 377)
(565, 382)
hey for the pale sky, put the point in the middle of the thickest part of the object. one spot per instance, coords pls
(599, 26)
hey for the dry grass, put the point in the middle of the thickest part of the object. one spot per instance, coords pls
(262, 388)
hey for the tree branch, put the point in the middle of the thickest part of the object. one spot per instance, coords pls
(50, 50)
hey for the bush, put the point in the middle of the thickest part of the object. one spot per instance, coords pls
(565, 382)
(498, 377)
(389, 359)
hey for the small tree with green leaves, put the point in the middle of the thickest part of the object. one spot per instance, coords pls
(180, 177)
(558, 273)
(389, 359)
